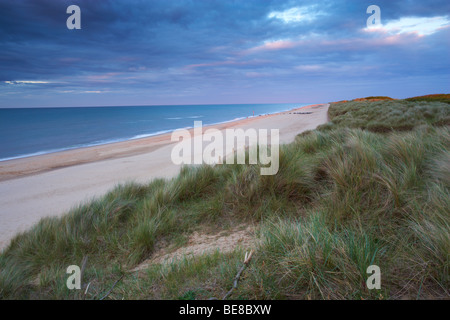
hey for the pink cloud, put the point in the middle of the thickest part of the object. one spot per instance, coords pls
(273, 45)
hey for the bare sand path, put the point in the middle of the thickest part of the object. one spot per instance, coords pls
(50, 185)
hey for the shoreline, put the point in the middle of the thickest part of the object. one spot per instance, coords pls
(141, 136)
(35, 164)
(52, 184)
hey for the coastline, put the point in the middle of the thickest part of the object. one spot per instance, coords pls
(108, 141)
(50, 185)
(35, 164)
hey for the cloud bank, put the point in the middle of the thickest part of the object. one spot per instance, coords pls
(219, 51)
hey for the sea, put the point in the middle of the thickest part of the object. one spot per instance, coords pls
(26, 132)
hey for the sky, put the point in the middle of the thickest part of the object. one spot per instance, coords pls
(220, 51)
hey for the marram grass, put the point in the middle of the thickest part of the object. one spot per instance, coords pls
(367, 188)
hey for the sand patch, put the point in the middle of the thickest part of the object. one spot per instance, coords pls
(198, 244)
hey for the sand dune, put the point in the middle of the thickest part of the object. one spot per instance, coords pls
(49, 185)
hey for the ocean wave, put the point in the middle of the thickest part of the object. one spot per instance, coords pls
(146, 135)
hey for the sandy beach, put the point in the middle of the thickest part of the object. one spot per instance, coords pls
(50, 185)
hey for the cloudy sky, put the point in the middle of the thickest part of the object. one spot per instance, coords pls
(218, 52)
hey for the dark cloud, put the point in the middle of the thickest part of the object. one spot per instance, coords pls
(216, 51)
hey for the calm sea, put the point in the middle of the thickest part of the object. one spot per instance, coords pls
(33, 131)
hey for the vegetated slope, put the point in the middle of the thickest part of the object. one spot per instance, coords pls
(384, 116)
(368, 99)
(377, 98)
(432, 97)
(429, 98)
(365, 189)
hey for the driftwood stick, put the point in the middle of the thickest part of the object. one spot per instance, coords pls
(86, 291)
(110, 290)
(247, 259)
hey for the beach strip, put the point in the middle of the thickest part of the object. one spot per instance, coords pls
(51, 184)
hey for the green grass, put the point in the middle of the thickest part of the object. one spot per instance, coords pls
(370, 187)
(385, 116)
